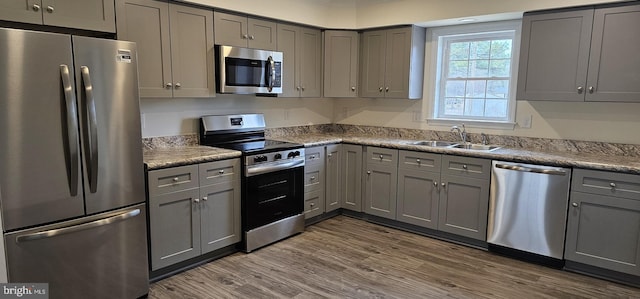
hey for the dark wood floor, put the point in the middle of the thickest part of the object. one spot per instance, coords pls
(344, 257)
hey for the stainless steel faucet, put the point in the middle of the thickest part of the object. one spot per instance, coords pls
(485, 138)
(462, 133)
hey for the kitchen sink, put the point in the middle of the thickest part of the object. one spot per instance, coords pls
(477, 147)
(435, 143)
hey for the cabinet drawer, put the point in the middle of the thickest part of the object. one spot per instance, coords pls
(467, 167)
(173, 179)
(219, 171)
(313, 178)
(381, 156)
(607, 183)
(314, 155)
(419, 161)
(313, 204)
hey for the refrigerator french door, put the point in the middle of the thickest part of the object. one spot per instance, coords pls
(71, 171)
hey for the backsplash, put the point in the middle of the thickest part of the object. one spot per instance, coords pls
(544, 144)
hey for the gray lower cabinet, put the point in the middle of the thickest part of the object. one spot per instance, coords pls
(333, 164)
(193, 210)
(380, 182)
(314, 182)
(96, 15)
(603, 228)
(351, 178)
(418, 188)
(341, 63)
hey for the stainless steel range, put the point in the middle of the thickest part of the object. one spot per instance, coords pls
(272, 177)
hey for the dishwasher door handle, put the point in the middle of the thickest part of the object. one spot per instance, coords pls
(530, 169)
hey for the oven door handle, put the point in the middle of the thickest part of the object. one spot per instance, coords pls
(260, 169)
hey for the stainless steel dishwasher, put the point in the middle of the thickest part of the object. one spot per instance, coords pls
(528, 209)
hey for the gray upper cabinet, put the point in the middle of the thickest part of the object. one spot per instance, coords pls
(381, 181)
(351, 177)
(341, 63)
(302, 60)
(392, 63)
(175, 47)
(243, 31)
(333, 162)
(603, 228)
(582, 55)
(96, 15)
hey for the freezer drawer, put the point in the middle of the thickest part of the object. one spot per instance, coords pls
(102, 256)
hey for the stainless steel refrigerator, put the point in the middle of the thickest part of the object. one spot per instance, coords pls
(71, 172)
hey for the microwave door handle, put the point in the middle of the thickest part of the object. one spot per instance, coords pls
(272, 73)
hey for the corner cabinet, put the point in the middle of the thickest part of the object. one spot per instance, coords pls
(333, 162)
(193, 210)
(243, 31)
(392, 63)
(175, 47)
(341, 63)
(95, 15)
(603, 227)
(582, 55)
(351, 177)
(302, 61)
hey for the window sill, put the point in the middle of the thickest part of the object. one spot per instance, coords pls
(472, 123)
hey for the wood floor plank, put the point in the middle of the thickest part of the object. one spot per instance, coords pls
(349, 258)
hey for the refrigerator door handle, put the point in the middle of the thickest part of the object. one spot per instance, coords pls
(72, 129)
(92, 127)
(76, 228)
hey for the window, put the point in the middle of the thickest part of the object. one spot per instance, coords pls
(475, 71)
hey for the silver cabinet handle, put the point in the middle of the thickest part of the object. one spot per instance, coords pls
(534, 170)
(386, 89)
(251, 37)
(381, 157)
(418, 161)
(35, 7)
(613, 185)
(435, 183)
(205, 198)
(329, 155)
(368, 171)
(353, 88)
(178, 85)
(92, 128)
(245, 36)
(580, 89)
(380, 89)
(176, 179)
(444, 185)
(591, 89)
(72, 128)
(464, 166)
(168, 85)
(298, 88)
(196, 200)
(50, 9)
(313, 178)
(76, 228)
(575, 204)
(312, 205)
(221, 171)
(302, 88)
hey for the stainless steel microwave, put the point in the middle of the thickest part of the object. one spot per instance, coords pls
(248, 71)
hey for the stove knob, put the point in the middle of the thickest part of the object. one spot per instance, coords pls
(257, 159)
(263, 158)
(296, 154)
(277, 157)
(291, 155)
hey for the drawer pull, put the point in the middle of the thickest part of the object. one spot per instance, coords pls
(575, 204)
(176, 179)
(196, 200)
(204, 198)
(329, 155)
(221, 172)
(435, 183)
(312, 204)
(613, 185)
(464, 166)
(418, 161)
(381, 157)
(313, 178)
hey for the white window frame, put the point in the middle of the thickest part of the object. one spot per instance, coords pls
(438, 37)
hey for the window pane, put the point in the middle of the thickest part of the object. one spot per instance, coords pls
(501, 48)
(459, 51)
(453, 106)
(474, 107)
(458, 69)
(480, 49)
(476, 88)
(478, 68)
(496, 108)
(454, 88)
(497, 89)
(500, 68)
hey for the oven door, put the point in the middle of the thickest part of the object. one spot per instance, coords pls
(272, 196)
(248, 71)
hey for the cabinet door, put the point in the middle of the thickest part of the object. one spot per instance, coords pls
(372, 61)
(192, 51)
(604, 231)
(146, 22)
(418, 198)
(220, 215)
(96, 15)
(464, 204)
(381, 180)
(262, 34)
(174, 226)
(554, 55)
(397, 63)
(333, 177)
(230, 29)
(351, 183)
(311, 63)
(288, 40)
(614, 63)
(340, 63)
(29, 11)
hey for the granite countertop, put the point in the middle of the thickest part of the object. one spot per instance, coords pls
(597, 161)
(183, 155)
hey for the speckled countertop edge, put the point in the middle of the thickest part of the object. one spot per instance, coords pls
(604, 162)
(184, 155)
